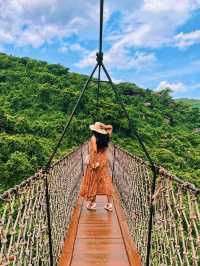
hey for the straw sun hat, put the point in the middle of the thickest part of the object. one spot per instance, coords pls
(101, 128)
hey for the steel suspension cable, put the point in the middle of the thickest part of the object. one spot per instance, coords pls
(99, 55)
(133, 130)
(47, 166)
(101, 25)
(70, 119)
(98, 92)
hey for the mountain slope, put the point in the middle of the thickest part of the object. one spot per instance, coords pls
(36, 99)
(194, 103)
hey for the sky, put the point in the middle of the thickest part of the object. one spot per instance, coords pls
(153, 43)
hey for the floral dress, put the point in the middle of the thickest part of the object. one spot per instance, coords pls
(96, 180)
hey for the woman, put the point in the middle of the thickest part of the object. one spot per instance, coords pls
(96, 179)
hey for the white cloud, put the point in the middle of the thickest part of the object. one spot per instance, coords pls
(175, 87)
(117, 81)
(180, 89)
(168, 5)
(63, 49)
(120, 59)
(145, 23)
(36, 22)
(153, 23)
(76, 47)
(36, 37)
(187, 39)
(5, 37)
(88, 60)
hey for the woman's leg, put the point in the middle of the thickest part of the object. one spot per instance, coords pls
(108, 205)
(91, 205)
(109, 198)
(93, 199)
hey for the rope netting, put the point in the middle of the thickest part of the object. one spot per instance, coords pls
(132, 179)
(176, 234)
(176, 229)
(24, 236)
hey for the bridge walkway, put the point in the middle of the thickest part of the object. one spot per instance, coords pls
(99, 237)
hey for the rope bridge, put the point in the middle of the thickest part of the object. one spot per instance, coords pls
(24, 235)
(176, 230)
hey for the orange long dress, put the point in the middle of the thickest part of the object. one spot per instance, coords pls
(96, 181)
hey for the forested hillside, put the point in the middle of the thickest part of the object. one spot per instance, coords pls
(194, 103)
(36, 99)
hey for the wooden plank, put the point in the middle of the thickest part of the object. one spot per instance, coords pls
(98, 245)
(99, 239)
(102, 237)
(131, 249)
(99, 230)
(99, 259)
(101, 216)
(67, 252)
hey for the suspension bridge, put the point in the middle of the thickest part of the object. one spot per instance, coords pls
(82, 237)
(155, 220)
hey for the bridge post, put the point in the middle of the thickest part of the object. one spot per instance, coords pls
(113, 166)
(82, 163)
(48, 217)
(151, 217)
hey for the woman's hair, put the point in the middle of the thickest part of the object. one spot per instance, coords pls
(102, 140)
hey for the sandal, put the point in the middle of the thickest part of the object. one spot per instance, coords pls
(108, 207)
(91, 206)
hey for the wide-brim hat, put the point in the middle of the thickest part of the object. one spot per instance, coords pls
(99, 127)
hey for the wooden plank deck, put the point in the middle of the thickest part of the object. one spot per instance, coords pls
(99, 238)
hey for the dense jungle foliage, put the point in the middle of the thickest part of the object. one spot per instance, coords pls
(36, 99)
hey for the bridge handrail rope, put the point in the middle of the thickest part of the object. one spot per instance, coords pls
(100, 65)
(176, 231)
(163, 172)
(24, 230)
(132, 129)
(24, 236)
(37, 176)
(32, 213)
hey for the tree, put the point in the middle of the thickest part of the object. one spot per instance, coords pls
(18, 167)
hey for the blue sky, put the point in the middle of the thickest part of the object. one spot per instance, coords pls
(153, 43)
